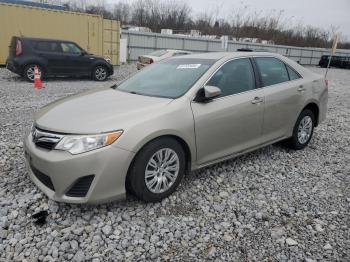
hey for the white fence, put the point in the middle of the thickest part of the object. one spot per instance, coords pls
(140, 43)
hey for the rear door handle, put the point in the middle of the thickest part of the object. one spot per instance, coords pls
(257, 100)
(301, 88)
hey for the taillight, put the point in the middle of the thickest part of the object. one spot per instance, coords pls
(151, 61)
(18, 47)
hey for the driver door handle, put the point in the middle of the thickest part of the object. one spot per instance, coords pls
(257, 100)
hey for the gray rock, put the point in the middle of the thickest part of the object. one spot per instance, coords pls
(291, 242)
(107, 230)
(327, 247)
(79, 256)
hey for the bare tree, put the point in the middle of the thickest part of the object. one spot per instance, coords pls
(243, 22)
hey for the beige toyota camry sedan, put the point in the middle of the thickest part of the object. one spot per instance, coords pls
(181, 114)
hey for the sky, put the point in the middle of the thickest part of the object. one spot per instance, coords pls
(319, 13)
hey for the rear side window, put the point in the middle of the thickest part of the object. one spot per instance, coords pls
(292, 74)
(47, 46)
(234, 77)
(272, 70)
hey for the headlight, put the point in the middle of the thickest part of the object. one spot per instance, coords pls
(77, 144)
(108, 60)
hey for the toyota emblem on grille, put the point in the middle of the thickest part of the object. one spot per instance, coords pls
(42, 136)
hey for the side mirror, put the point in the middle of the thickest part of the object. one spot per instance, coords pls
(83, 52)
(207, 93)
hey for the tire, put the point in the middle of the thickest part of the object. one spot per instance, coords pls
(28, 72)
(146, 162)
(300, 140)
(100, 73)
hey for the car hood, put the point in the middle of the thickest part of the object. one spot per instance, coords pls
(97, 111)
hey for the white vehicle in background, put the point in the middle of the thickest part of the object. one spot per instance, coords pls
(157, 56)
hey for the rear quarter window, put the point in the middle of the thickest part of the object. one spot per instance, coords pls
(293, 75)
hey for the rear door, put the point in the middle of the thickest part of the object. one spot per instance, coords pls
(284, 91)
(232, 122)
(52, 53)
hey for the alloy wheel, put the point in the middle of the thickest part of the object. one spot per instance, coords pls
(100, 73)
(162, 170)
(305, 129)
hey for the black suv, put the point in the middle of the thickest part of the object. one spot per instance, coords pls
(336, 61)
(54, 58)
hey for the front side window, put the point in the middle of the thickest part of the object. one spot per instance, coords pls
(171, 78)
(234, 77)
(70, 48)
(272, 70)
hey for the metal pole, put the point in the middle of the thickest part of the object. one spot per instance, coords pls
(329, 62)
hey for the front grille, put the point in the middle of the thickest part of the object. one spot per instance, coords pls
(45, 139)
(46, 180)
(80, 187)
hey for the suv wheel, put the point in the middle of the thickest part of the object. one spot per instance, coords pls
(100, 73)
(28, 72)
(157, 170)
(303, 130)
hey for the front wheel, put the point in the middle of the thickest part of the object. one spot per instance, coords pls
(100, 73)
(303, 130)
(157, 170)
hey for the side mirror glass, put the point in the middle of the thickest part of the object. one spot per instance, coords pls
(207, 93)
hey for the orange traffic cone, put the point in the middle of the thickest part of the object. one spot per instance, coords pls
(37, 81)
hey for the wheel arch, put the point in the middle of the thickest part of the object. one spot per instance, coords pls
(313, 106)
(185, 146)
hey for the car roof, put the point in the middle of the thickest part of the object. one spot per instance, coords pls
(42, 39)
(228, 55)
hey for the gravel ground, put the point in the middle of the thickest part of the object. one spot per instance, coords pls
(270, 205)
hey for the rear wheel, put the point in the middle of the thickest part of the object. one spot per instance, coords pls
(100, 73)
(29, 70)
(303, 131)
(157, 170)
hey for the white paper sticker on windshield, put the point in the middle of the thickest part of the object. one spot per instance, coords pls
(189, 66)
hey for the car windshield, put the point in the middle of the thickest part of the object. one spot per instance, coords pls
(170, 79)
(158, 53)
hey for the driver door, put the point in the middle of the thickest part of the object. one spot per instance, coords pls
(232, 122)
(77, 62)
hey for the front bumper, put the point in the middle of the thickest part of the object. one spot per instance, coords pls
(111, 70)
(108, 165)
